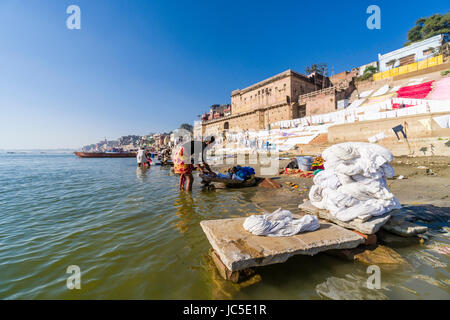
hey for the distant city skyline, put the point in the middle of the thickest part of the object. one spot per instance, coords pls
(140, 67)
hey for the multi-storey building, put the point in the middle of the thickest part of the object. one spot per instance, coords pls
(266, 102)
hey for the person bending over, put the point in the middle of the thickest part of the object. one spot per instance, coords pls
(188, 155)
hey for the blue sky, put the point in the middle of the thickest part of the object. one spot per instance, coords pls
(147, 66)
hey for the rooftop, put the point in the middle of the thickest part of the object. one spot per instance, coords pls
(274, 78)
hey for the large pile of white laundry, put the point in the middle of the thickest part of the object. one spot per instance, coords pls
(353, 184)
(280, 223)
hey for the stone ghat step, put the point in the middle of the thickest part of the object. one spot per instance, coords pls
(238, 249)
(365, 226)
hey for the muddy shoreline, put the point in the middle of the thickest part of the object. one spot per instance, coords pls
(418, 180)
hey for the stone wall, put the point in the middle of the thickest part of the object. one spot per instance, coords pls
(362, 86)
(248, 121)
(276, 114)
(300, 86)
(256, 120)
(343, 76)
(281, 88)
(321, 103)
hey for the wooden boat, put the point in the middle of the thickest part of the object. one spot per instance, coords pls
(167, 163)
(121, 154)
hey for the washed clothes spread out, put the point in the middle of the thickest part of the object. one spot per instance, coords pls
(280, 223)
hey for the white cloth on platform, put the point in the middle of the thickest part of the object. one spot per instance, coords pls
(280, 223)
(365, 94)
(384, 89)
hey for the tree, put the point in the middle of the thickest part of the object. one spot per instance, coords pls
(371, 70)
(320, 68)
(187, 127)
(368, 73)
(429, 27)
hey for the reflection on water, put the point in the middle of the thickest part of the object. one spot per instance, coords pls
(351, 287)
(185, 210)
(141, 173)
(134, 235)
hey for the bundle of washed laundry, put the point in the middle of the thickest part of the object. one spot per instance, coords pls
(280, 223)
(237, 173)
(353, 183)
(229, 176)
(243, 172)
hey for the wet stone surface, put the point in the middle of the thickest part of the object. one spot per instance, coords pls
(239, 249)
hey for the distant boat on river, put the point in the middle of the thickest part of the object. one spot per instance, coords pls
(115, 153)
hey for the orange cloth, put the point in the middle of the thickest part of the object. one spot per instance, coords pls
(179, 162)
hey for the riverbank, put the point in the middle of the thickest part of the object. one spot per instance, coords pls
(421, 184)
(418, 180)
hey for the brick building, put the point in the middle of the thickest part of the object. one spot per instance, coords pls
(266, 102)
(287, 95)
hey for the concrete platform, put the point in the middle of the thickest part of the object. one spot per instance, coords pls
(238, 249)
(370, 226)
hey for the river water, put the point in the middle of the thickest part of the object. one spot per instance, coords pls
(135, 236)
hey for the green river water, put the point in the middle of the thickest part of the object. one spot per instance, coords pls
(135, 236)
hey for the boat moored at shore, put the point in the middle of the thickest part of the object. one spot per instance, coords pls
(107, 154)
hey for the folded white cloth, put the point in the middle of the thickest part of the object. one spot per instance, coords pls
(280, 223)
(327, 179)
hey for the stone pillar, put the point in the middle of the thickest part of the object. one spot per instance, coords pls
(292, 106)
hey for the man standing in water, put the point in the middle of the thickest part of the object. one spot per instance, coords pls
(186, 156)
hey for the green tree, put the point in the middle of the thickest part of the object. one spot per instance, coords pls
(371, 70)
(429, 27)
(368, 73)
(320, 68)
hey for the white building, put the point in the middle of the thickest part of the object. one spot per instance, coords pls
(198, 130)
(414, 52)
(363, 68)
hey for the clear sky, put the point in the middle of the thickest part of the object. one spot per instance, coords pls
(147, 66)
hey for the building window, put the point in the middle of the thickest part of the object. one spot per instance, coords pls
(428, 51)
(391, 63)
(407, 60)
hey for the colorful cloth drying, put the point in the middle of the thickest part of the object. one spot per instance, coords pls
(418, 91)
(299, 173)
(441, 90)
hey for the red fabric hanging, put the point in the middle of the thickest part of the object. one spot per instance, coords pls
(418, 91)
